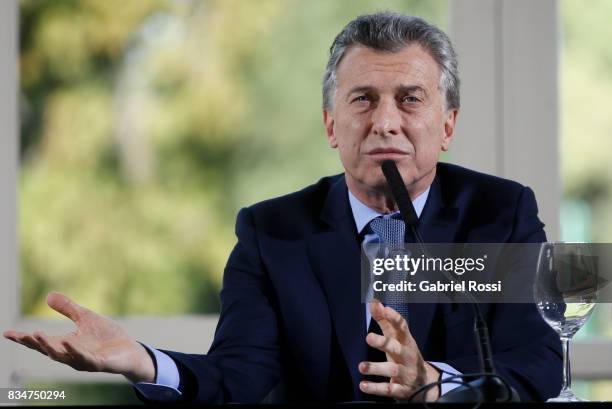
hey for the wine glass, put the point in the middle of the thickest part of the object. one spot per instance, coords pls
(565, 292)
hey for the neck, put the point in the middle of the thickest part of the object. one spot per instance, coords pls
(380, 198)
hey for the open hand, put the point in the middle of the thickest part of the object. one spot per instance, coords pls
(97, 345)
(405, 366)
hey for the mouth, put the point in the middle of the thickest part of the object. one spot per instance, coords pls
(386, 153)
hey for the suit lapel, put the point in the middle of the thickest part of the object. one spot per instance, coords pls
(439, 220)
(335, 257)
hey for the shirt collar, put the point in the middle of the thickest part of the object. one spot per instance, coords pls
(363, 214)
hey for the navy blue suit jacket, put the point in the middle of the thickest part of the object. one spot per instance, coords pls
(291, 307)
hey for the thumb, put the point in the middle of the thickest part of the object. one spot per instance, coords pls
(65, 306)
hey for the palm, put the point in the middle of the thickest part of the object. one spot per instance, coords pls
(98, 344)
(102, 344)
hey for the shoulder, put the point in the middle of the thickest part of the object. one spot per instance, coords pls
(487, 200)
(455, 179)
(293, 213)
(308, 199)
(478, 190)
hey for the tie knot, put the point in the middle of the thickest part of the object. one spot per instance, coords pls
(389, 230)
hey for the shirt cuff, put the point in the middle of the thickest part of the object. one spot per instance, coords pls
(447, 371)
(165, 388)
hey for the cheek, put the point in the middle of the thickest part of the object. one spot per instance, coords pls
(428, 136)
(356, 125)
(350, 135)
(431, 123)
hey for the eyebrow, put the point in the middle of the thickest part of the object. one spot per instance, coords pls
(406, 89)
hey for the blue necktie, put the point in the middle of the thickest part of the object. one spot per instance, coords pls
(392, 233)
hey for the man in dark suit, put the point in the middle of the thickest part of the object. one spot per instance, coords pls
(291, 300)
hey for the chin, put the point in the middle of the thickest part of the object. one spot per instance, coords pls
(374, 179)
(378, 183)
(409, 175)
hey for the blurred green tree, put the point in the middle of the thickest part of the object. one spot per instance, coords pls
(145, 127)
(586, 123)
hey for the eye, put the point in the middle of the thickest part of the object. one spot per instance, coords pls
(410, 99)
(361, 98)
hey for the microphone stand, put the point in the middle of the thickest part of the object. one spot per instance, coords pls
(488, 386)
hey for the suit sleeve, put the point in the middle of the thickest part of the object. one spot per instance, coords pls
(243, 363)
(526, 350)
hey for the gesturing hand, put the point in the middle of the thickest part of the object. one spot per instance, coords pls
(98, 344)
(405, 366)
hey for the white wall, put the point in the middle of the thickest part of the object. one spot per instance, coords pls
(508, 124)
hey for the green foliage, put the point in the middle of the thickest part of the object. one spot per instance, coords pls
(586, 138)
(146, 125)
(586, 123)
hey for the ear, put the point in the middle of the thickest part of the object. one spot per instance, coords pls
(328, 121)
(449, 128)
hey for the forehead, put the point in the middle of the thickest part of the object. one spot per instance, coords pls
(411, 65)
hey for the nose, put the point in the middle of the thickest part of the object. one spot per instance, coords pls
(386, 118)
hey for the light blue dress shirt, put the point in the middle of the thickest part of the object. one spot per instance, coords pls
(165, 388)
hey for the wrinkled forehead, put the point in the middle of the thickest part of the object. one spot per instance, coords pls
(409, 66)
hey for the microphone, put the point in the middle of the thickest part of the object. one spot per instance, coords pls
(489, 385)
(400, 194)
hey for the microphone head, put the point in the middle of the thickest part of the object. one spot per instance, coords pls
(399, 192)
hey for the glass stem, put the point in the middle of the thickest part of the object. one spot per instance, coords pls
(567, 375)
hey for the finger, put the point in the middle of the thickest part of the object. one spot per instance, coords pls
(14, 335)
(24, 339)
(393, 390)
(399, 324)
(386, 344)
(51, 341)
(52, 349)
(39, 338)
(388, 369)
(377, 310)
(65, 306)
(28, 341)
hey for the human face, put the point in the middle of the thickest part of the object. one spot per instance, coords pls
(389, 106)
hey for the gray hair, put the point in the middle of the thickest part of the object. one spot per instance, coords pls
(388, 31)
